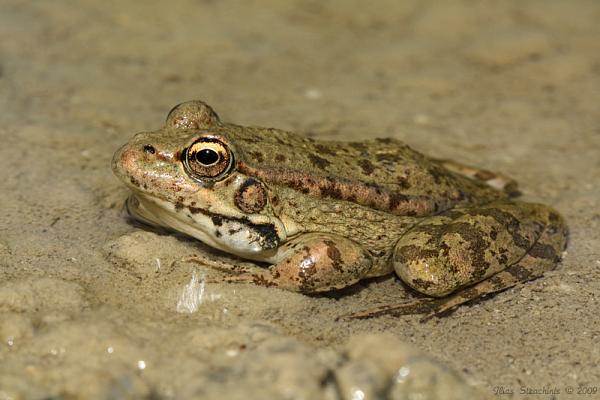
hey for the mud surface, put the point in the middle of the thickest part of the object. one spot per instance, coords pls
(92, 306)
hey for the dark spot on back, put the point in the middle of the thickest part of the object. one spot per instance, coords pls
(318, 162)
(360, 146)
(437, 173)
(388, 158)
(322, 149)
(330, 189)
(217, 220)
(258, 156)
(403, 182)
(366, 166)
(396, 199)
(374, 187)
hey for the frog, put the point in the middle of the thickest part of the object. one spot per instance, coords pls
(316, 216)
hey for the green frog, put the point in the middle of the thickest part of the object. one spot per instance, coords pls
(325, 214)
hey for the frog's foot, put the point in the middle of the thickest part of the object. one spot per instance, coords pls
(309, 263)
(495, 180)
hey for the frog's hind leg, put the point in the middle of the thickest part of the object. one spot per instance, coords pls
(533, 241)
(543, 256)
(493, 179)
(530, 267)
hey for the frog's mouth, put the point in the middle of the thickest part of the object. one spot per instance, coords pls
(253, 241)
(137, 211)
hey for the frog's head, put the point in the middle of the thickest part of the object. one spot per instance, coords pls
(184, 177)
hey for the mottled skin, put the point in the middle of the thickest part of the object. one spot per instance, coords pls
(328, 214)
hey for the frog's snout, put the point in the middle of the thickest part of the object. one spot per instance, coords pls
(124, 160)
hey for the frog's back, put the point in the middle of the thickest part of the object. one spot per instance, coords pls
(384, 174)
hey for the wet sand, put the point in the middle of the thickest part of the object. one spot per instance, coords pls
(91, 304)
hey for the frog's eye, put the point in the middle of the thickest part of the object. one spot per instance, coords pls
(208, 158)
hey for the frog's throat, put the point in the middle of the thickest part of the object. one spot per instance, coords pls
(255, 242)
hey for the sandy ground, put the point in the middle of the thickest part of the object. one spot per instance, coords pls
(88, 301)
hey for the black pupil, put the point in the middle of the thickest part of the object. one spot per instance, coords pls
(207, 156)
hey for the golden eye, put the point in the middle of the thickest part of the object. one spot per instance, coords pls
(208, 158)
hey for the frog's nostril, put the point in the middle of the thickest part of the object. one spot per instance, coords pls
(148, 148)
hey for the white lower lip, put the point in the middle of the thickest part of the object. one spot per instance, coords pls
(159, 212)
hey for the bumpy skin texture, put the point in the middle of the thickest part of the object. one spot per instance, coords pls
(327, 214)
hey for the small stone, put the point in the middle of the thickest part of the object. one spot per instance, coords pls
(409, 374)
(360, 379)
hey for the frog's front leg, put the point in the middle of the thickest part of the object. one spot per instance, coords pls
(310, 263)
(481, 250)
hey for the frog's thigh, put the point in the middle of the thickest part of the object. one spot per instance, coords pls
(316, 262)
(465, 246)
